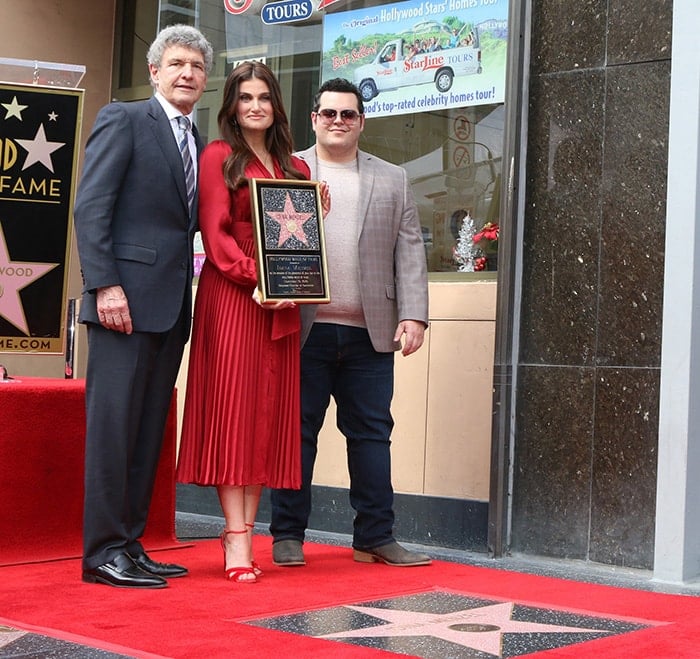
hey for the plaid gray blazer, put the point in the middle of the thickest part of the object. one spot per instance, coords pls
(393, 272)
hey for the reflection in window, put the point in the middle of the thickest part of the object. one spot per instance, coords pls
(453, 156)
(453, 159)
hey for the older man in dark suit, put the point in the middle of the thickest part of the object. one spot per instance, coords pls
(379, 304)
(135, 217)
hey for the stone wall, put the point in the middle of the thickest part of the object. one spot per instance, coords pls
(590, 336)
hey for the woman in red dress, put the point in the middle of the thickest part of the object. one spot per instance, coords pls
(241, 425)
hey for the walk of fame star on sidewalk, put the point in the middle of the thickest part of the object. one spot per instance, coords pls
(480, 628)
(438, 624)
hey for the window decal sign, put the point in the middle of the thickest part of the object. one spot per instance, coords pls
(420, 55)
(237, 6)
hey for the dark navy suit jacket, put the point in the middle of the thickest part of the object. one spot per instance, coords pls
(132, 221)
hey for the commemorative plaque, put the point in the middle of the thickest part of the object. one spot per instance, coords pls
(290, 248)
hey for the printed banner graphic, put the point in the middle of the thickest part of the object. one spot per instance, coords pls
(420, 55)
(39, 138)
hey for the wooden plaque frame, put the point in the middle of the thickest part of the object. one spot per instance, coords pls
(289, 239)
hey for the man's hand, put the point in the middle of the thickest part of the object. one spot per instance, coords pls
(113, 309)
(413, 333)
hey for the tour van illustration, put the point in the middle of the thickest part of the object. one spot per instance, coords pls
(413, 60)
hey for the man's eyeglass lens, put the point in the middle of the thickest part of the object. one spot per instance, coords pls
(348, 116)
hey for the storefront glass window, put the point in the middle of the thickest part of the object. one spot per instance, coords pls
(432, 73)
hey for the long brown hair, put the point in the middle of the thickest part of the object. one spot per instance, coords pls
(278, 138)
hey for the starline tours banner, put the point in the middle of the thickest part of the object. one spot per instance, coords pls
(39, 141)
(420, 55)
(405, 57)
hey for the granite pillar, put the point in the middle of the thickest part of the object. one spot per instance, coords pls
(590, 336)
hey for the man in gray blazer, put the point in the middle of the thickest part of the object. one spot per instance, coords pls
(379, 304)
(135, 217)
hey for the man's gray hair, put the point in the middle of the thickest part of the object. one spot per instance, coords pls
(180, 35)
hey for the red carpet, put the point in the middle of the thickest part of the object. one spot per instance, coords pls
(203, 615)
(42, 439)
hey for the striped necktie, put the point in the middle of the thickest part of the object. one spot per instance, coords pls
(184, 124)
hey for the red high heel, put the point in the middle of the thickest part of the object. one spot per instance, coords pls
(256, 568)
(235, 573)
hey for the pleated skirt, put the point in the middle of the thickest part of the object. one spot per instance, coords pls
(241, 423)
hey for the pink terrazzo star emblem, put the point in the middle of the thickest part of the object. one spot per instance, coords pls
(480, 628)
(291, 222)
(14, 276)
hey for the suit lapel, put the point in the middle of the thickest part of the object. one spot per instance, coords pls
(197, 140)
(366, 168)
(309, 157)
(200, 147)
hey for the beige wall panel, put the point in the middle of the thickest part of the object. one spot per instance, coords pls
(440, 390)
(455, 300)
(331, 467)
(70, 32)
(459, 409)
(410, 418)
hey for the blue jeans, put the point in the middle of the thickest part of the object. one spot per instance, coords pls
(339, 360)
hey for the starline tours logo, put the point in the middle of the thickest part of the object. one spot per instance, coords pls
(31, 192)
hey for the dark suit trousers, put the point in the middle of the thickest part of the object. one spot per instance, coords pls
(129, 386)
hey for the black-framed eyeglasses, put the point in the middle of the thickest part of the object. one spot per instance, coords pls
(328, 115)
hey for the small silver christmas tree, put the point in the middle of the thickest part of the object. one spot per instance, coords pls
(465, 250)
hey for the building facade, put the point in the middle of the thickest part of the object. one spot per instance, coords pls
(550, 412)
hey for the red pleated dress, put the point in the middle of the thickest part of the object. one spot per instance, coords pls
(241, 423)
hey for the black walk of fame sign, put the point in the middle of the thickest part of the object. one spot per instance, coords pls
(39, 143)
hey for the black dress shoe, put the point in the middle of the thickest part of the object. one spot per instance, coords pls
(145, 562)
(122, 572)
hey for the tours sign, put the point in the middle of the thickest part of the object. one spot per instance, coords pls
(39, 142)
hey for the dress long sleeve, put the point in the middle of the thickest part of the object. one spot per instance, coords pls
(219, 212)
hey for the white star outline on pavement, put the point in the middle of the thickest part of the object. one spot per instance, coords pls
(14, 276)
(291, 222)
(480, 628)
(39, 149)
(9, 635)
(14, 109)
